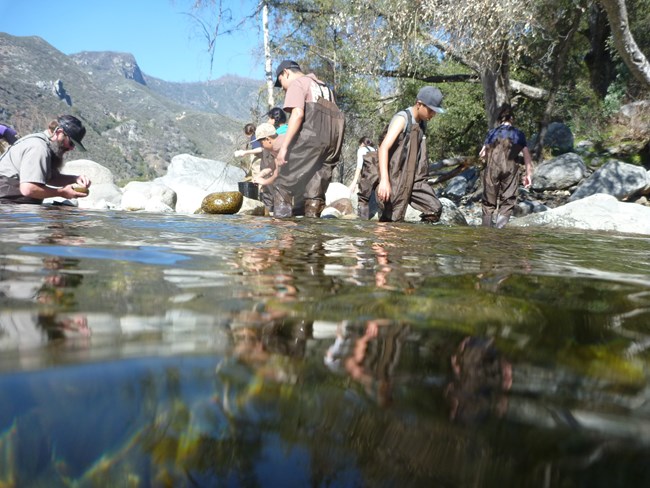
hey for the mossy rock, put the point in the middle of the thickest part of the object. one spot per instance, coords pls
(227, 202)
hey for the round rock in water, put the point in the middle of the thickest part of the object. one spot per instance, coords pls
(227, 202)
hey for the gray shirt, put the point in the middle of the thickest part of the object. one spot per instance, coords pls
(29, 160)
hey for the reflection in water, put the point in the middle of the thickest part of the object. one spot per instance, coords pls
(52, 317)
(369, 355)
(228, 350)
(480, 379)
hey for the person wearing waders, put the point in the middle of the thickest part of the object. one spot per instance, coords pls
(403, 162)
(500, 151)
(312, 145)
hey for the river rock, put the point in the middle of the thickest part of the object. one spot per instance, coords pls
(451, 215)
(343, 206)
(228, 202)
(559, 173)
(148, 196)
(615, 178)
(250, 206)
(527, 207)
(596, 212)
(193, 178)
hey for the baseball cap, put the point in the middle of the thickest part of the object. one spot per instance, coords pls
(263, 131)
(286, 64)
(432, 98)
(73, 128)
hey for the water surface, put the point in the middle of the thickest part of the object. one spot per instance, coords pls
(171, 350)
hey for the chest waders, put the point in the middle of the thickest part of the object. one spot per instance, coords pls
(311, 159)
(408, 174)
(500, 182)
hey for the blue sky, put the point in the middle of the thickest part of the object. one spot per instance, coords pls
(166, 43)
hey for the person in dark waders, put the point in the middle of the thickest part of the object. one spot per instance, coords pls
(312, 145)
(403, 164)
(500, 151)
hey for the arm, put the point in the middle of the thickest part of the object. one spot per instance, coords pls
(528, 161)
(266, 177)
(243, 152)
(39, 191)
(295, 122)
(34, 182)
(394, 130)
(357, 173)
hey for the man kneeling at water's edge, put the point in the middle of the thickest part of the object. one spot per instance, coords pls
(30, 169)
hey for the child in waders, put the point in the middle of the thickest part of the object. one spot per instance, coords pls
(399, 176)
(501, 149)
(266, 135)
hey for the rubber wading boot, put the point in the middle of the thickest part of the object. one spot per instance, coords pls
(502, 220)
(313, 207)
(430, 218)
(363, 211)
(487, 220)
(281, 207)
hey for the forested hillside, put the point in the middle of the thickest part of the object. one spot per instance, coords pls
(135, 123)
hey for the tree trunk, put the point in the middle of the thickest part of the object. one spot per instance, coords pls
(599, 59)
(267, 55)
(625, 44)
(496, 86)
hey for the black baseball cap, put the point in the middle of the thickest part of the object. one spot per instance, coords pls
(286, 64)
(73, 128)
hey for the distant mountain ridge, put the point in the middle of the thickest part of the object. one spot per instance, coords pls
(136, 123)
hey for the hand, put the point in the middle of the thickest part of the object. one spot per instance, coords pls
(239, 153)
(383, 190)
(69, 191)
(280, 159)
(527, 181)
(262, 176)
(83, 180)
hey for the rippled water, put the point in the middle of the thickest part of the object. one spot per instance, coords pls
(173, 350)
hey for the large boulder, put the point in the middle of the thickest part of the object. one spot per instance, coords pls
(148, 196)
(458, 186)
(559, 173)
(615, 178)
(336, 191)
(596, 212)
(636, 115)
(193, 178)
(558, 138)
(104, 193)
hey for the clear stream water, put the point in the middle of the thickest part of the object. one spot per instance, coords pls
(172, 350)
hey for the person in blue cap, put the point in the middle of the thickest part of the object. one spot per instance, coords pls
(30, 168)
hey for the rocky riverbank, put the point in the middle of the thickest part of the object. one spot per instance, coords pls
(579, 188)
